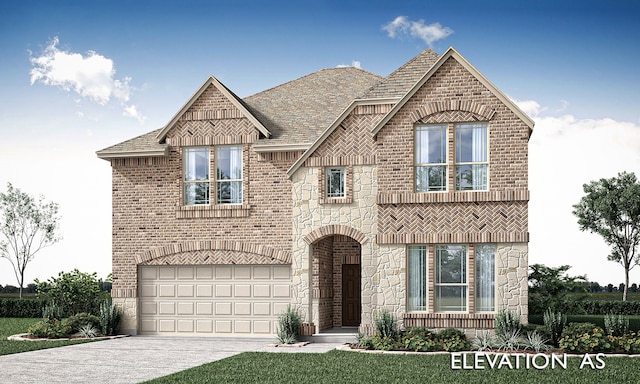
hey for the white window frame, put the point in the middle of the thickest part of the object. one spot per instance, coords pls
(330, 189)
(485, 278)
(236, 181)
(463, 284)
(422, 162)
(477, 169)
(417, 278)
(189, 182)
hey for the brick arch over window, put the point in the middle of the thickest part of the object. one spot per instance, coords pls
(480, 111)
(191, 247)
(335, 229)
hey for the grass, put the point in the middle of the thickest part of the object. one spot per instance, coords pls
(11, 326)
(344, 366)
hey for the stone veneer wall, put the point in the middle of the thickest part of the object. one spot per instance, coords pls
(512, 263)
(359, 217)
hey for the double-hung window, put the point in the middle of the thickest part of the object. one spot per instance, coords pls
(471, 157)
(335, 187)
(196, 176)
(229, 175)
(451, 278)
(431, 158)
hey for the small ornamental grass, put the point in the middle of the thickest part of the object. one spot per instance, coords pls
(289, 326)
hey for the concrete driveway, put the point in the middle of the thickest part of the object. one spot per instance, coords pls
(130, 359)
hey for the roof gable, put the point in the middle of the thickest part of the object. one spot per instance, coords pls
(452, 53)
(235, 100)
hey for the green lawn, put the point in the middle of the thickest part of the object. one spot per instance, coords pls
(352, 367)
(11, 326)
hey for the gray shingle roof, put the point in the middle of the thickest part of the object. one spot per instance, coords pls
(402, 79)
(145, 143)
(297, 112)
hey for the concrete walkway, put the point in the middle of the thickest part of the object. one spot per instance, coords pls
(130, 359)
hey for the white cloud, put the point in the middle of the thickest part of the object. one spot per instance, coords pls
(92, 76)
(429, 33)
(354, 63)
(564, 154)
(531, 107)
(132, 111)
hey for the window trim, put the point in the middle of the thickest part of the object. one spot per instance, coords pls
(416, 165)
(464, 285)
(456, 164)
(218, 181)
(186, 182)
(329, 171)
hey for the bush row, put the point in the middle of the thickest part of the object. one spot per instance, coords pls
(590, 338)
(25, 307)
(634, 321)
(600, 307)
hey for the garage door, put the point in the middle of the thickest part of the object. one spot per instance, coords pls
(215, 300)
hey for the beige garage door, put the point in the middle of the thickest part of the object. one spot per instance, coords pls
(214, 300)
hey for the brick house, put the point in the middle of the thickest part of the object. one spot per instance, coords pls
(339, 193)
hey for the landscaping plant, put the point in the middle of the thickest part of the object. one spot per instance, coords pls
(555, 323)
(616, 325)
(289, 326)
(110, 318)
(386, 325)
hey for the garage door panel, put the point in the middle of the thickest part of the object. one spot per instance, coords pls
(185, 290)
(213, 300)
(241, 309)
(223, 308)
(167, 290)
(223, 290)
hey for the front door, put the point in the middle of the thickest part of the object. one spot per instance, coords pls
(351, 295)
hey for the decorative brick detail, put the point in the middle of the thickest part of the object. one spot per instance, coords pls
(212, 210)
(335, 229)
(475, 110)
(453, 197)
(217, 256)
(139, 161)
(225, 245)
(449, 320)
(453, 223)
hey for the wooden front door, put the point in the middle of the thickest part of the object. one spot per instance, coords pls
(351, 295)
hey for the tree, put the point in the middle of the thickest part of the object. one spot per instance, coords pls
(552, 288)
(26, 226)
(611, 208)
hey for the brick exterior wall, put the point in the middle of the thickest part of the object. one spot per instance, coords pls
(148, 212)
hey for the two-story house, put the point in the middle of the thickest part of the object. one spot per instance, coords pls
(340, 193)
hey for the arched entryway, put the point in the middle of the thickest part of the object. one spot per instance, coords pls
(336, 281)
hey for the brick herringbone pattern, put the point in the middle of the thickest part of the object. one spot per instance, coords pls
(212, 132)
(351, 143)
(213, 257)
(457, 222)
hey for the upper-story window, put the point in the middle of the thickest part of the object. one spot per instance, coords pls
(471, 157)
(229, 175)
(196, 176)
(431, 158)
(335, 178)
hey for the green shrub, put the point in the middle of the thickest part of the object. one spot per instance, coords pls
(555, 323)
(50, 329)
(535, 341)
(602, 307)
(616, 325)
(453, 340)
(585, 338)
(419, 339)
(483, 341)
(506, 324)
(629, 343)
(88, 331)
(80, 320)
(386, 325)
(289, 326)
(22, 308)
(110, 318)
(74, 292)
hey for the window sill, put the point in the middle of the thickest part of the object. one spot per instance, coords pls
(449, 320)
(336, 200)
(212, 211)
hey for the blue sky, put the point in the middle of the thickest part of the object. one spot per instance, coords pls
(78, 76)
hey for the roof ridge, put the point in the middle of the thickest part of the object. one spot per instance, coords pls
(309, 75)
